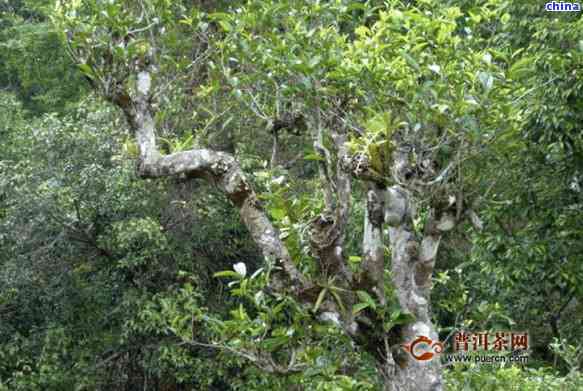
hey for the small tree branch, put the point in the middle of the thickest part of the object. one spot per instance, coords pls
(274, 150)
(262, 360)
(324, 163)
(373, 248)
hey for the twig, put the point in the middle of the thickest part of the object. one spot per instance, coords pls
(534, 89)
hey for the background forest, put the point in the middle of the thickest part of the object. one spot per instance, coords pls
(110, 280)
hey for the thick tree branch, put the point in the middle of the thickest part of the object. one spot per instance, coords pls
(220, 168)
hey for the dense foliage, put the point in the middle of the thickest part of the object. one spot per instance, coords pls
(110, 280)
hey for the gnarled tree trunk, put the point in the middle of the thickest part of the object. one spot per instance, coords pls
(413, 254)
(412, 264)
(413, 257)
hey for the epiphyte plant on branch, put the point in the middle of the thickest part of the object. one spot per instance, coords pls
(397, 103)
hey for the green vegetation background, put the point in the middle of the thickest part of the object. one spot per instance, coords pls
(102, 273)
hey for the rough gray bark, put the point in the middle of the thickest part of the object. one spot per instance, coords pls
(413, 257)
(413, 260)
(412, 265)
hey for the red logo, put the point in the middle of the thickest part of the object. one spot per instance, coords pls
(423, 348)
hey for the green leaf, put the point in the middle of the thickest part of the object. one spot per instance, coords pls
(320, 299)
(521, 68)
(338, 300)
(219, 16)
(366, 298)
(399, 317)
(227, 273)
(359, 307)
(225, 25)
(356, 6)
(278, 213)
(410, 60)
(314, 156)
(272, 344)
(87, 70)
